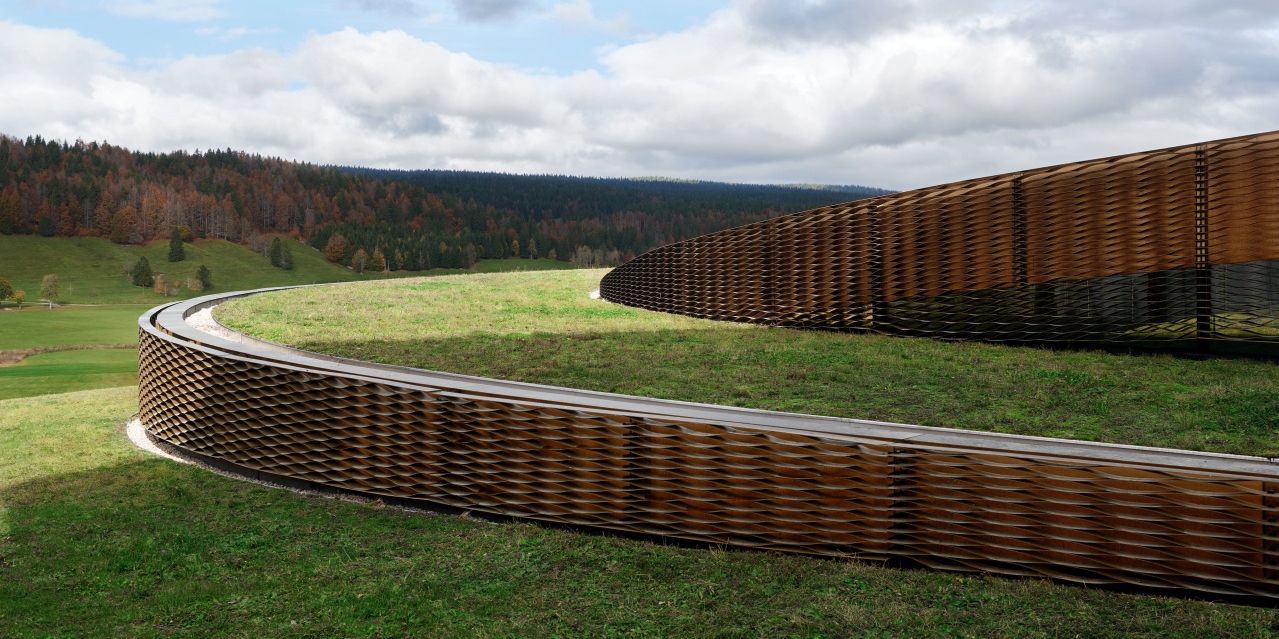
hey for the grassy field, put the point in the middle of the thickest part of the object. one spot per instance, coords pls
(543, 328)
(92, 269)
(68, 348)
(98, 539)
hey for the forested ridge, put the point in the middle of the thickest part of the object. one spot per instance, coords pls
(411, 219)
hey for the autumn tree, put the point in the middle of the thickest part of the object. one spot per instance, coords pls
(377, 263)
(124, 225)
(359, 261)
(103, 216)
(6, 289)
(515, 248)
(176, 252)
(152, 215)
(19, 296)
(204, 277)
(50, 286)
(532, 249)
(66, 221)
(335, 249)
(165, 285)
(551, 255)
(142, 275)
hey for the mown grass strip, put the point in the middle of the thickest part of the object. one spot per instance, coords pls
(71, 370)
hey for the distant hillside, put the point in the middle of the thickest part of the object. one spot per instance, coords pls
(93, 270)
(418, 219)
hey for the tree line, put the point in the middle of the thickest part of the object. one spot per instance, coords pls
(414, 219)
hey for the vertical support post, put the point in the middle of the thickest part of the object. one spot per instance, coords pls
(1157, 307)
(772, 314)
(634, 469)
(1203, 266)
(878, 301)
(1024, 296)
(1270, 530)
(1021, 257)
(901, 504)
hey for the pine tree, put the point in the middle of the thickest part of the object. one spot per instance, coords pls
(377, 263)
(176, 252)
(206, 279)
(142, 275)
(286, 256)
(277, 252)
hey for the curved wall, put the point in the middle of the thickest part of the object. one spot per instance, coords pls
(941, 498)
(1172, 248)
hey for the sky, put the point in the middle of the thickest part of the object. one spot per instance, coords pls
(890, 93)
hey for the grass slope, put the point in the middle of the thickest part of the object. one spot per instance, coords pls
(98, 539)
(91, 269)
(542, 328)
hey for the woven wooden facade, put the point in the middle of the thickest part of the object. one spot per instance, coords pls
(1176, 248)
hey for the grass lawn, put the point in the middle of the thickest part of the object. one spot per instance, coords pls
(543, 328)
(98, 539)
(64, 371)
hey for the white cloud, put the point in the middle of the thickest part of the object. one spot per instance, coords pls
(172, 10)
(763, 91)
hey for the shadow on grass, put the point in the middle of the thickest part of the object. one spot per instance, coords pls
(151, 548)
(1152, 400)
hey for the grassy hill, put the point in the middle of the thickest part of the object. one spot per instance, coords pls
(92, 270)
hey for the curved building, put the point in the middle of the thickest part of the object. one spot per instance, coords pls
(1176, 248)
(1081, 512)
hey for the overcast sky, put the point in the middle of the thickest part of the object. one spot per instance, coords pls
(891, 93)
